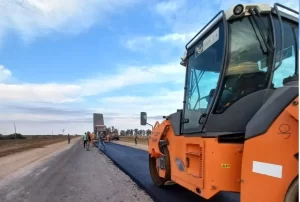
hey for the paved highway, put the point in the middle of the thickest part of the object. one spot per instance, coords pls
(72, 175)
(134, 162)
(79, 175)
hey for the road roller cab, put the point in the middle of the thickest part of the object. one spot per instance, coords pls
(238, 129)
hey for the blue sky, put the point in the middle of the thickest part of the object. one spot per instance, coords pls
(62, 60)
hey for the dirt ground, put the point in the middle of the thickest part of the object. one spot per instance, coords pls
(8, 147)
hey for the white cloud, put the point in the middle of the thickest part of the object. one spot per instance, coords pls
(31, 117)
(185, 16)
(4, 73)
(44, 128)
(121, 112)
(126, 109)
(169, 6)
(28, 92)
(48, 93)
(34, 18)
(138, 43)
(134, 75)
(172, 39)
(176, 37)
(61, 93)
(160, 103)
(190, 16)
(182, 18)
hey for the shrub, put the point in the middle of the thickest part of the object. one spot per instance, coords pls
(12, 136)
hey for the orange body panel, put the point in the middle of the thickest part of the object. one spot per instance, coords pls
(213, 167)
(159, 130)
(292, 109)
(274, 149)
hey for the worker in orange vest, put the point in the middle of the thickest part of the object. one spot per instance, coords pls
(92, 138)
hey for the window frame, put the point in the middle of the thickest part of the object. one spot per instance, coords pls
(270, 57)
(293, 23)
(271, 54)
(190, 52)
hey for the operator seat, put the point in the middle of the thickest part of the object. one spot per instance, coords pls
(241, 80)
(250, 83)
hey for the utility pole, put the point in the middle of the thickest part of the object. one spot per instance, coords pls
(15, 131)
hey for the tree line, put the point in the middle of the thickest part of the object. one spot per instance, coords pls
(12, 136)
(128, 132)
(136, 131)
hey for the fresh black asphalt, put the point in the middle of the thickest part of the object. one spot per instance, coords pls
(134, 162)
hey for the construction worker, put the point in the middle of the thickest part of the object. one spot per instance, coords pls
(101, 141)
(89, 139)
(92, 138)
(84, 138)
(135, 139)
(69, 138)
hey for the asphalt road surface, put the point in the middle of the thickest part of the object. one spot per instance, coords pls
(73, 175)
(134, 162)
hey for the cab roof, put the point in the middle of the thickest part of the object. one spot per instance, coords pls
(229, 14)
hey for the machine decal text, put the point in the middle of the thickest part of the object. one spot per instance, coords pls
(225, 165)
(207, 42)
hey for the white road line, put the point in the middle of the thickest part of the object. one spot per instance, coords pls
(269, 169)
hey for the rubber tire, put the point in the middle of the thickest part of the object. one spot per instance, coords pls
(158, 181)
(292, 195)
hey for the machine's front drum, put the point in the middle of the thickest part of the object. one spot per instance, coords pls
(153, 167)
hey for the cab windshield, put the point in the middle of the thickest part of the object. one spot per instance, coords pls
(248, 67)
(203, 70)
(250, 62)
(246, 49)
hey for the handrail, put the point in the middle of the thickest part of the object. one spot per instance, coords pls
(221, 12)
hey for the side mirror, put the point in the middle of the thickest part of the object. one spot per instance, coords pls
(143, 118)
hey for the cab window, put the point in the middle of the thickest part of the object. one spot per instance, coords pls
(288, 66)
(203, 70)
(243, 75)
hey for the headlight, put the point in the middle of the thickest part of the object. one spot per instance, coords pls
(238, 9)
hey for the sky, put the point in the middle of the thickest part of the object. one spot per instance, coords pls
(63, 60)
